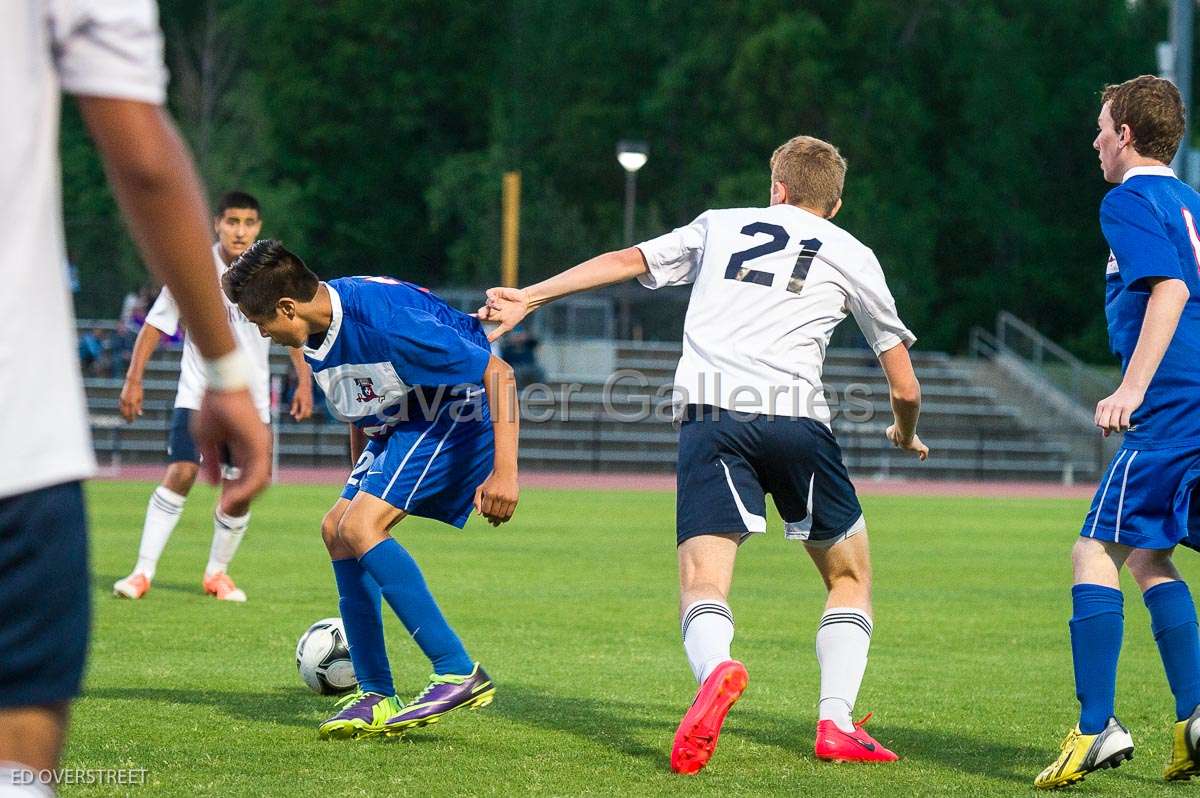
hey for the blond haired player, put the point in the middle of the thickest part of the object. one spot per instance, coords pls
(769, 286)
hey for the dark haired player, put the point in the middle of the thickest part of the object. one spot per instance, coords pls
(236, 223)
(1147, 502)
(417, 379)
(109, 54)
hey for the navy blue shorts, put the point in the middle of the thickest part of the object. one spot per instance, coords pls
(1148, 499)
(45, 605)
(181, 446)
(728, 463)
(430, 469)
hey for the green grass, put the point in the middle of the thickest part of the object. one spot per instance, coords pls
(572, 608)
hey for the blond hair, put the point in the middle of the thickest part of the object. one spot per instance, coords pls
(812, 171)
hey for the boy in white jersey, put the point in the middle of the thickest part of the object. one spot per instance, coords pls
(237, 223)
(770, 285)
(109, 54)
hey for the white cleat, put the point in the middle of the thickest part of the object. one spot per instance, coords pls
(133, 586)
(221, 586)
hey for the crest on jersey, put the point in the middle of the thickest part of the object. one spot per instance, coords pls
(366, 390)
(1112, 267)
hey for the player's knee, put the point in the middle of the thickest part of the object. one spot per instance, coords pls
(329, 529)
(180, 477)
(1150, 567)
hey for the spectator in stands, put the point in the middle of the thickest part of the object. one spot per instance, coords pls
(519, 350)
(91, 350)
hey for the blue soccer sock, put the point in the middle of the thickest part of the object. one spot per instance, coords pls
(403, 586)
(359, 604)
(1173, 621)
(1097, 625)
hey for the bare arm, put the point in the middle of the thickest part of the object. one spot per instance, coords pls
(155, 183)
(1167, 300)
(508, 306)
(147, 341)
(156, 186)
(905, 394)
(496, 498)
(302, 400)
(358, 442)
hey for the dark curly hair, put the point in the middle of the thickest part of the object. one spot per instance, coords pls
(265, 273)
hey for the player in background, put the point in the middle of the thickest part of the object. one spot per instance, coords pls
(1147, 502)
(236, 224)
(438, 415)
(769, 286)
(109, 53)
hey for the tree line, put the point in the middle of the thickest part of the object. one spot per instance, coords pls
(376, 134)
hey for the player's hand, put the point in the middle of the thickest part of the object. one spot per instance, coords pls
(505, 307)
(496, 498)
(131, 399)
(229, 417)
(912, 444)
(1113, 413)
(302, 403)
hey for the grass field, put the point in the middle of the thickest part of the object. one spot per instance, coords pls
(572, 608)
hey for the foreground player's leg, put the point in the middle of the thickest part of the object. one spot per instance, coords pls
(359, 602)
(162, 514)
(705, 575)
(1097, 626)
(1173, 621)
(456, 681)
(843, 641)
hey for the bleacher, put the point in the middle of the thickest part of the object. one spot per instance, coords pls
(627, 428)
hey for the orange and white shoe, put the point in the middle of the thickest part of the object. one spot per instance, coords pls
(835, 745)
(133, 586)
(696, 738)
(221, 586)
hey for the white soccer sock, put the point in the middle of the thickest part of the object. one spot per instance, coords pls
(162, 514)
(843, 639)
(227, 536)
(707, 635)
(21, 781)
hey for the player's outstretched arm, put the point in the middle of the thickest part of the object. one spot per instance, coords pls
(156, 185)
(508, 306)
(905, 393)
(131, 392)
(496, 498)
(1167, 300)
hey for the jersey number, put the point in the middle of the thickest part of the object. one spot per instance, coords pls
(365, 461)
(737, 270)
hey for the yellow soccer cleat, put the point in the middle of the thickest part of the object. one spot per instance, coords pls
(1083, 753)
(1184, 761)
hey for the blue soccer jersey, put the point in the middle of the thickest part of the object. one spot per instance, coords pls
(1150, 222)
(392, 352)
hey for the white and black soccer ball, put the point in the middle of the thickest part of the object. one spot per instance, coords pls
(323, 658)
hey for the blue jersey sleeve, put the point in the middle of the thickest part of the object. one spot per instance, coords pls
(425, 351)
(1137, 237)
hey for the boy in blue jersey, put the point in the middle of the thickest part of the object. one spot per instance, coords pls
(1148, 500)
(438, 415)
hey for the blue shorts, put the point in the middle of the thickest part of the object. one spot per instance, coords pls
(181, 446)
(1147, 500)
(728, 462)
(430, 469)
(45, 605)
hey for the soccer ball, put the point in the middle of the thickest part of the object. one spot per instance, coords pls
(323, 658)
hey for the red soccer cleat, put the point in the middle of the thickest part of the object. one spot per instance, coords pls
(835, 745)
(696, 738)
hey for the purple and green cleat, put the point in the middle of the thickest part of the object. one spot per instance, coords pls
(362, 715)
(445, 693)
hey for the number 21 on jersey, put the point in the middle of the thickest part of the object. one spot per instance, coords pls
(738, 270)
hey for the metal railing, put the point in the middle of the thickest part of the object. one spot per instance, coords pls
(1068, 373)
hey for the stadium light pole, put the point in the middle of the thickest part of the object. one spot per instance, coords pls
(632, 156)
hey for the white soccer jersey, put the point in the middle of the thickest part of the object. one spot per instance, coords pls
(164, 315)
(104, 48)
(770, 284)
